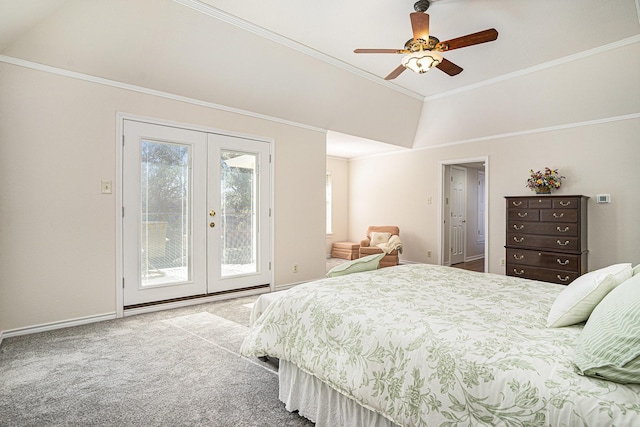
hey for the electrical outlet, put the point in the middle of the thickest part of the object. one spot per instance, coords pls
(428, 254)
(295, 268)
(105, 186)
(502, 262)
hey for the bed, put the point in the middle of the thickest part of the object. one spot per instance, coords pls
(425, 345)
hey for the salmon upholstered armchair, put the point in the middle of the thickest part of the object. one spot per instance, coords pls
(382, 238)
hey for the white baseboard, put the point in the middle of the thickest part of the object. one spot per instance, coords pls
(56, 325)
(474, 258)
(195, 301)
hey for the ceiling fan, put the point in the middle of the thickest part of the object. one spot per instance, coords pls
(422, 51)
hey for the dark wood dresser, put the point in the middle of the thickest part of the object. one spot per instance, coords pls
(547, 237)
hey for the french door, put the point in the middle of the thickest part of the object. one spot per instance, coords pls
(196, 213)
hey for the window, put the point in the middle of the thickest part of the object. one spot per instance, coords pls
(328, 200)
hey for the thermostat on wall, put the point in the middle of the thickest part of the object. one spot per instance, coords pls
(603, 198)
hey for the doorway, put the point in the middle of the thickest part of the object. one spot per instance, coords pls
(196, 209)
(464, 212)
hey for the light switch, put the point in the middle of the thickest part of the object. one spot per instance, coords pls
(603, 198)
(106, 187)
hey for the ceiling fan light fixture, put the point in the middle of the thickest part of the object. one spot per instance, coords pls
(421, 61)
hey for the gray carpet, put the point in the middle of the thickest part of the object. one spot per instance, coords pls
(172, 368)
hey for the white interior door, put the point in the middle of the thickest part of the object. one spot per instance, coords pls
(196, 213)
(457, 194)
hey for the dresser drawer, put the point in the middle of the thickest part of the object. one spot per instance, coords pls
(559, 215)
(543, 274)
(519, 204)
(550, 243)
(566, 203)
(557, 261)
(541, 203)
(548, 228)
(523, 214)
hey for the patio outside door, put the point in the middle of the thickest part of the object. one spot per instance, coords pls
(196, 213)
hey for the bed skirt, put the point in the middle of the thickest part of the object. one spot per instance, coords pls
(320, 403)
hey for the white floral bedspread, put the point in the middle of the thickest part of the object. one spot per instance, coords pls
(427, 345)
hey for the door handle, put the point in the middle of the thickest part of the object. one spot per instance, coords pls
(212, 224)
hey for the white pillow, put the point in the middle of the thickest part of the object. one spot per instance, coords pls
(636, 269)
(608, 347)
(576, 302)
(378, 238)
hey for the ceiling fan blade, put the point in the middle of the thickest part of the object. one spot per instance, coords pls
(468, 40)
(449, 67)
(395, 73)
(379, 51)
(420, 25)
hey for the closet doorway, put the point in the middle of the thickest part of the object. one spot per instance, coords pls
(464, 211)
(196, 213)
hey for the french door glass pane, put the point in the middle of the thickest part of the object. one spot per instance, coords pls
(238, 192)
(165, 191)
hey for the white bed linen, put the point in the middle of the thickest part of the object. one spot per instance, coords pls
(430, 345)
(321, 404)
(261, 305)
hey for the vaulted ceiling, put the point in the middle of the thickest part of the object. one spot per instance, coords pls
(293, 60)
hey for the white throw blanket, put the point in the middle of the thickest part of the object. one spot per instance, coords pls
(393, 244)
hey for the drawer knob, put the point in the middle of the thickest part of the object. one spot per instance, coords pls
(556, 215)
(517, 203)
(562, 279)
(516, 256)
(522, 214)
(563, 203)
(562, 230)
(562, 244)
(518, 227)
(519, 273)
(521, 239)
(565, 262)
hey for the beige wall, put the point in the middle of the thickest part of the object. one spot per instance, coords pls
(58, 232)
(573, 116)
(595, 159)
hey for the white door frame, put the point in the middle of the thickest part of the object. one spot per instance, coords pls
(441, 211)
(118, 190)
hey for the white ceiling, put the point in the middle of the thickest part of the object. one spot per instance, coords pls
(530, 33)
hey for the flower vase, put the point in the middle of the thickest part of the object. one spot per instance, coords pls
(543, 190)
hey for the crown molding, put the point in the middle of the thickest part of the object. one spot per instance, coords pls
(632, 116)
(147, 91)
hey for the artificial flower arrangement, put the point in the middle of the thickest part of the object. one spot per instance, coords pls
(544, 182)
